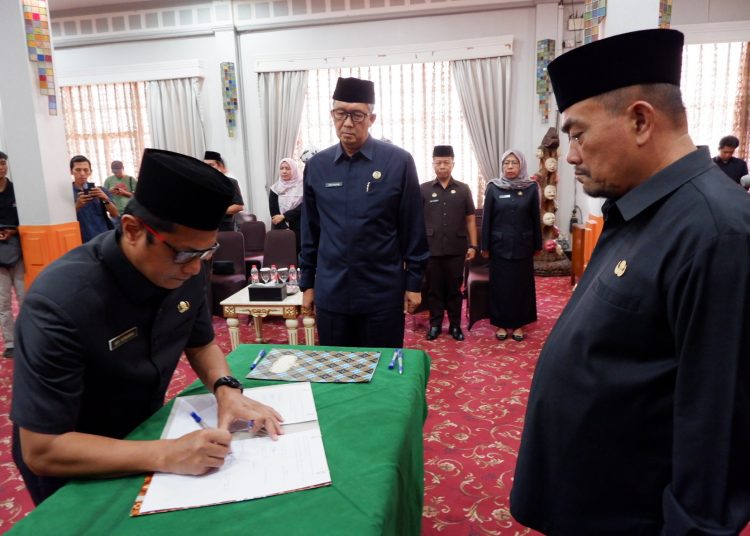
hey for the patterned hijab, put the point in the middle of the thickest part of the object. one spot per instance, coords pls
(519, 183)
(289, 192)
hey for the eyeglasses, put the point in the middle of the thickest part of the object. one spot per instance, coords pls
(509, 163)
(356, 116)
(184, 257)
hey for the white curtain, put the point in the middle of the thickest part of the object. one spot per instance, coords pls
(106, 122)
(483, 87)
(710, 81)
(175, 117)
(282, 95)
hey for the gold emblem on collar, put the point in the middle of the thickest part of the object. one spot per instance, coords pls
(520, 192)
(183, 306)
(621, 267)
(434, 194)
(376, 175)
(453, 191)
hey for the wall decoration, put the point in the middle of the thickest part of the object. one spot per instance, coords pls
(229, 91)
(665, 13)
(594, 12)
(552, 259)
(39, 46)
(545, 53)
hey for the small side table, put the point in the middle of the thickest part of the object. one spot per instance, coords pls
(290, 309)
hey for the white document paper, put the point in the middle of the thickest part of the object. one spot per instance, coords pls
(256, 467)
(293, 401)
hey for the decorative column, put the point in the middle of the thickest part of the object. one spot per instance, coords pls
(35, 135)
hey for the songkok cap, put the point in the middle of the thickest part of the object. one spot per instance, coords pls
(183, 189)
(212, 155)
(443, 150)
(354, 90)
(116, 164)
(629, 59)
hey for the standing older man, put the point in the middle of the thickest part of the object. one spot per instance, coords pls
(363, 234)
(103, 327)
(452, 236)
(637, 421)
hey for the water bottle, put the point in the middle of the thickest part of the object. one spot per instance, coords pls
(254, 278)
(274, 275)
(292, 279)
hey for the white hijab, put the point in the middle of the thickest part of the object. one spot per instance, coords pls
(289, 192)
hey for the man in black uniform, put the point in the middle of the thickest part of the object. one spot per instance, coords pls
(214, 159)
(735, 168)
(452, 236)
(637, 421)
(363, 237)
(102, 330)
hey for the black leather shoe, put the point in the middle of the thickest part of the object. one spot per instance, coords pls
(456, 333)
(433, 333)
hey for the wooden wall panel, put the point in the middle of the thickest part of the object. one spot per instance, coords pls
(42, 244)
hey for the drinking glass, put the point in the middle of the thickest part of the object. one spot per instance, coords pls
(283, 274)
(265, 274)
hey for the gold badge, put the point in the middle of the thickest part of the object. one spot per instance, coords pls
(520, 192)
(183, 306)
(376, 175)
(434, 194)
(453, 191)
(621, 267)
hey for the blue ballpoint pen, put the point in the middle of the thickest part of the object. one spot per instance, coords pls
(400, 361)
(393, 359)
(261, 355)
(197, 418)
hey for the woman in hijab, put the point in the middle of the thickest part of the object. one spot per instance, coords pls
(511, 233)
(285, 198)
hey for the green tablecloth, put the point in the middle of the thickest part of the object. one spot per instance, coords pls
(372, 433)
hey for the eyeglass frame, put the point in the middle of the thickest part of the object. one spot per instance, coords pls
(349, 115)
(183, 256)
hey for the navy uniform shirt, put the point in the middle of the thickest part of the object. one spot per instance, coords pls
(511, 228)
(363, 233)
(97, 343)
(445, 212)
(639, 411)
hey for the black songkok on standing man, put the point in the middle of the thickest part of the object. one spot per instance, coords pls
(443, 151)
(354, 90)
(643, 57)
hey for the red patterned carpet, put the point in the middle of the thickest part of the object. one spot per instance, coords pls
(477, 397)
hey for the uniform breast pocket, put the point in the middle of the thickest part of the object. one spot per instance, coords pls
(617, 296)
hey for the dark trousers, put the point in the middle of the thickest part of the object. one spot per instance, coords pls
(445, 275)
(382, 329)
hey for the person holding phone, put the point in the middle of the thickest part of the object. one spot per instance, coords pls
(94, 208)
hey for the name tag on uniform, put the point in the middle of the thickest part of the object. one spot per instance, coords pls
(503, 196)
(122, 338)
(434, 200)
(334, 184)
